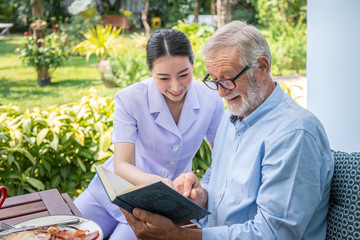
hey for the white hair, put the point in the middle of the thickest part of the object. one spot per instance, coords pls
(247, 39)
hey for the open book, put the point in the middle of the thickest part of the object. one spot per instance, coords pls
(156, 197)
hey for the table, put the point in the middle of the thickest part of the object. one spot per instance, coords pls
(5, 28)
(44, 203)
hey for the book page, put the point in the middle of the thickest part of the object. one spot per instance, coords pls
(118, 184)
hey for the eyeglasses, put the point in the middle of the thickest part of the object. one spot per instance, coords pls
(225, 83)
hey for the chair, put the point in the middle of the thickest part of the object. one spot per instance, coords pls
(343, 218)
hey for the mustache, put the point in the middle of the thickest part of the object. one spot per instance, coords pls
(231, 95)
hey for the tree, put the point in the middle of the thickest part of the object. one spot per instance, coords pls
(223, 8)
(196, 11)
(37, 8)
(213, 7)
(144, 18)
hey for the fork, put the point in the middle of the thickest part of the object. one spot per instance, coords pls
(6, 226)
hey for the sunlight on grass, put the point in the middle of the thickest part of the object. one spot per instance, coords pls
(69, 83)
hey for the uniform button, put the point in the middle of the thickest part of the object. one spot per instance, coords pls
(171, 162)
(175, 147)
(164, 174)
(220, 195)
(238, 134)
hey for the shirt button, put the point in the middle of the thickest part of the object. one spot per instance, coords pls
(175, 147)
(239, 134)
(171, 162)
(164, 174)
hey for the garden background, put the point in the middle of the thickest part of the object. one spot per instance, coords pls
(60, 68)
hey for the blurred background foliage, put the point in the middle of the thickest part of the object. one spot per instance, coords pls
(52, 136)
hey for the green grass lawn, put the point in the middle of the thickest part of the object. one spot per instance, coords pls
(70, 82)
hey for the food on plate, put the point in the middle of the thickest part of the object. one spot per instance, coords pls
(53, 233)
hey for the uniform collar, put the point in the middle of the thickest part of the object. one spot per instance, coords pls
(159, 109)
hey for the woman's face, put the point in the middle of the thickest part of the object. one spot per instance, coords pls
(172, 76)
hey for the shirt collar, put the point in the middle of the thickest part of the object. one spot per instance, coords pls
(269, 104)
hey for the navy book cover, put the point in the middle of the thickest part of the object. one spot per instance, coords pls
(156, 197)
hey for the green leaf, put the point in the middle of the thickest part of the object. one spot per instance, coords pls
(26, 125)
(86, 153)
(81, 164)
(105, 141)
(41, 136)
(99, 127)
(18, 137)
(35, 183)
(103, 155)
(201, 151)
(55, 181)
(55, 143)
(10, 159)
(29, 156)
(46, 165)
(79, 137)
(203, 165)
(65, 172)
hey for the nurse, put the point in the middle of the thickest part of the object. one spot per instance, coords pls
(159, 124)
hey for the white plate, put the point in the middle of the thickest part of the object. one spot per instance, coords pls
(85, 224)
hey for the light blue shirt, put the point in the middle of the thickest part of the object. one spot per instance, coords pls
(270, 175)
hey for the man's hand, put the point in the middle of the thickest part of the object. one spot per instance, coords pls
(189, 185)
(147, 225)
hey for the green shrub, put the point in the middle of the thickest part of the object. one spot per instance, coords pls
(127, 69)
(55, 147)
(50, 51)
(286, 20)
(202, 160)
(73, 26)
(101, 41)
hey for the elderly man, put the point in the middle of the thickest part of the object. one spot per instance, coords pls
(272, 165)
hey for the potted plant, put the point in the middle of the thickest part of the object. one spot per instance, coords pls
(103, 41)
(45, 54)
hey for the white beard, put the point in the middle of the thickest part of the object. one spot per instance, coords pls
(255, 98)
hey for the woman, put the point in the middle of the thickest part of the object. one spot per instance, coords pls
(159, 124)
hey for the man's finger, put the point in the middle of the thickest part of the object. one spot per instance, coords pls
(179, 182)
(129, 217)
(143, 215)
(188, 185)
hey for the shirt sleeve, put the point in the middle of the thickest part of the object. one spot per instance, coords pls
(203, 222)
(216, 118)
(294, 172)
(125, 124)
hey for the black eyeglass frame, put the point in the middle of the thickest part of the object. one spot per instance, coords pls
(219, 82)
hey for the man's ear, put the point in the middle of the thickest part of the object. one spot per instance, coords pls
(264, 65)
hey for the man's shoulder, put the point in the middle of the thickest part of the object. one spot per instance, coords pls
(291, 117)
